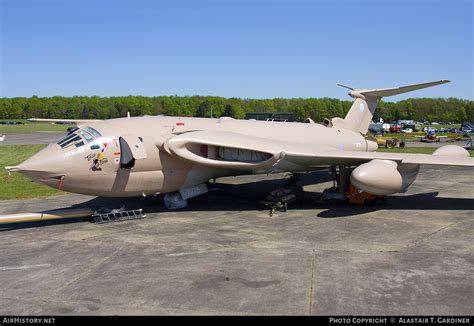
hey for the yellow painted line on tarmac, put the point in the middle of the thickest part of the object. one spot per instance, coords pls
(28, 217)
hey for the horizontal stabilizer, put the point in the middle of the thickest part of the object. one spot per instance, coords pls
(399, 90)
(362, 110)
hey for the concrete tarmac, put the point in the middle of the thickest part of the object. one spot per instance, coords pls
(32, 138)
(222, 255)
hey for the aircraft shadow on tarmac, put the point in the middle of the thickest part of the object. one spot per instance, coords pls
(247, 197)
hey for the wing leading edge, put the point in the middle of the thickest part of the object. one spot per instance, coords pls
(339, 157)
(237, 151)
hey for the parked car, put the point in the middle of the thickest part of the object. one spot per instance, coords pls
(376, 128)
(395, 128)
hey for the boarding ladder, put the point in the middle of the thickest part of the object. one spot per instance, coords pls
(116, 215)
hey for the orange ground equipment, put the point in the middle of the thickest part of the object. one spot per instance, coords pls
(359, 197)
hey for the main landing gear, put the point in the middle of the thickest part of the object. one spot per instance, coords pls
(343, 191)
(279, 198)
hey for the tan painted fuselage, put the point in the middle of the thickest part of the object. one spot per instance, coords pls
(160, 171)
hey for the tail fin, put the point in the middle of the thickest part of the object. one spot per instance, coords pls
(362, 110)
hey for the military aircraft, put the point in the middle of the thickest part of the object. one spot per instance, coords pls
(176, 156)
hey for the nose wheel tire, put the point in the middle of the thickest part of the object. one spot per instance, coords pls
(174, 200)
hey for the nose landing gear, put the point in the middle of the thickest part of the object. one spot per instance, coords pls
(174, 200)
(179, 199)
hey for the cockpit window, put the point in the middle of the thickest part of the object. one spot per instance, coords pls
(70, 139)
(87, 136)
(93, 132)
(79, 137)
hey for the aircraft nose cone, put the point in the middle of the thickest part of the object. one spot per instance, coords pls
(44, 166)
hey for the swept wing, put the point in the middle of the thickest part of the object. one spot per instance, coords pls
(237, 151)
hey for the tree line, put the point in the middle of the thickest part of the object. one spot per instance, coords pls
(95, 107)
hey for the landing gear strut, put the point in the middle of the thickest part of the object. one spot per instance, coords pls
(343, 191)
(341, 179)
(279, 198)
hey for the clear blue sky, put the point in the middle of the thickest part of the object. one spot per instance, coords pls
(251, 49)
